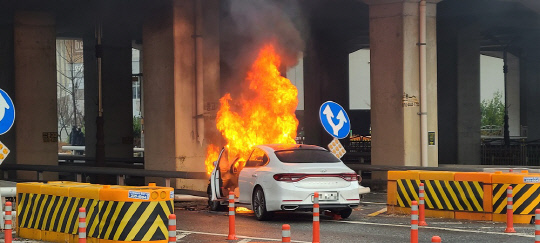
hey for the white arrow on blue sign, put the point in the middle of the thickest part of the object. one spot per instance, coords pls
(334, 119)
(7, 112)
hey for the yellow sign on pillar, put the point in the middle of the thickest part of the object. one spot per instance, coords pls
(4, 151)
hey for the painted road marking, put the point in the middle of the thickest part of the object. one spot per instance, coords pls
(245, 240)
(180, 236)
(239, 236)
(376, 203)
(436, 228)
(377, 213)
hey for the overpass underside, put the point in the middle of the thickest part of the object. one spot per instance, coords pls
(194, 51)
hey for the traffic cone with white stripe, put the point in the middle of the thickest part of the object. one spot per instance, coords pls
(232, 230)
(7, 224)
(509, 211)
(286, 233)
(537, 226)
(421, 206)
(172, 228)
(414, 222)
(82, 225)
(316, 225)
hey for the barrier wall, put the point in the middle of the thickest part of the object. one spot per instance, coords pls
(466, 195)
(49, 212)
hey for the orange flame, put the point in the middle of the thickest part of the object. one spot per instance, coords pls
(212, 153)
(242, 210)
(264, 114)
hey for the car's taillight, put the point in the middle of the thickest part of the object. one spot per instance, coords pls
(293, 177)
(350, 177)
(289, 177)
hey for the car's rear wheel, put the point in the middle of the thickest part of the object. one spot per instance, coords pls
(259, 205)
(345, 213)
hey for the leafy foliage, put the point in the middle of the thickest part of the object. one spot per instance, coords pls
(137, 126)
(493, 110)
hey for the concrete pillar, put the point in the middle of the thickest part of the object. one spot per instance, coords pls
(90, 94)
(459, 91)
(447, 76)
(35, 91)
(532, 79)
(7, 74)
(395, 86)
(169, 89)
(468, 95)
(513, 95)
(326, 74)
(117, 84)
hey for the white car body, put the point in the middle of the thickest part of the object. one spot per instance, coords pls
(338, 190)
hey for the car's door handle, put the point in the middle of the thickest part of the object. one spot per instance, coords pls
(254, 175)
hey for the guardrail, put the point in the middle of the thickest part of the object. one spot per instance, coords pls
(364, 167)
(70, 158)
(120, 173)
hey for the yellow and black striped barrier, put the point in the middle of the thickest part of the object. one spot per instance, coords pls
(49, 212)
(465, 195)
(443, 195)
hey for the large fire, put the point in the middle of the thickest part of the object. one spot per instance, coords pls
(263, 114)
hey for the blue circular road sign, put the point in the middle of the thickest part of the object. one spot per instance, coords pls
(334, 119)
(7, 112)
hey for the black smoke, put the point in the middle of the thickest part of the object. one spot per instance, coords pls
(247, 25)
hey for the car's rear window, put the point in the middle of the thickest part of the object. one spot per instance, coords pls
(306, 156)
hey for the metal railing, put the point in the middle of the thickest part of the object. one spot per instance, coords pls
(518, 152)
(120, 173)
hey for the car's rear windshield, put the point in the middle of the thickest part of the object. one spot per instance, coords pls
(306, 156)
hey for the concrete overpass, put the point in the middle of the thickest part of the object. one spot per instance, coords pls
(194, 50)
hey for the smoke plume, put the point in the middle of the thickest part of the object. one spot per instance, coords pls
(247, 25)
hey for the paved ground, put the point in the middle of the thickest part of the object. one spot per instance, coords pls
(368, 223)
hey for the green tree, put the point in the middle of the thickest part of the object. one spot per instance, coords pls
(137, 126)
(493, 110)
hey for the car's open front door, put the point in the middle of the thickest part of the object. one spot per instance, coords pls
(216, 182)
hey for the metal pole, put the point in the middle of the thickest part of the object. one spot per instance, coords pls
(100, 133)
(423, 85)
(199, 72)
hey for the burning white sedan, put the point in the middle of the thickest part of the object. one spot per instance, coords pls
(281, 177)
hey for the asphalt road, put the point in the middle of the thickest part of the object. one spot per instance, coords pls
(368, 223)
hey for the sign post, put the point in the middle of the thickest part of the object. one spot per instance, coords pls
(7, 119)
(336, 122)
